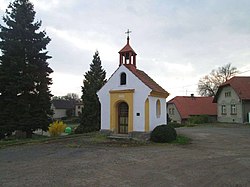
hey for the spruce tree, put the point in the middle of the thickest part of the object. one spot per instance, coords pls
(24, 71)
(95, 78)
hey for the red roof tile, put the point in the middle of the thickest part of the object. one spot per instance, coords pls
(146, 79)
(241, 86)
(189, 106)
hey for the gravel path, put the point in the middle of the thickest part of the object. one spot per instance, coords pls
(216, 157)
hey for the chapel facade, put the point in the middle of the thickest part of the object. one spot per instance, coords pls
(131, 101)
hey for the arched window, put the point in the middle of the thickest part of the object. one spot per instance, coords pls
(123, 79)
(158, 108)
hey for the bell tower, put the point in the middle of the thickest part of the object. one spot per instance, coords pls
(127, 54)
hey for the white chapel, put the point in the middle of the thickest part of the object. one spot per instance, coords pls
(131, 101)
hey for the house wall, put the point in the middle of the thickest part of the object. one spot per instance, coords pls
(78, 109)
(175, 115)
(140, 95)
(155, 120)
(233, 99)
(58, 113)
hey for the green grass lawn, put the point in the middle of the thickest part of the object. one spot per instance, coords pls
(13, 141)
(182, 140)
(87, 138)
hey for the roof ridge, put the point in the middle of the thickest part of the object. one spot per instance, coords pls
(146, 79)
(186, 106)
(239, 84)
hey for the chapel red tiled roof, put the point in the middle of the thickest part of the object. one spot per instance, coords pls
(189, 106)
(127, 48)
(146, 79)
(241, 86)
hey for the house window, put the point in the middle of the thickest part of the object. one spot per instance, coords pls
(233, 109)
(171, 111)
(158, 108)
(227, 94)
(223, 110)
(123, 79)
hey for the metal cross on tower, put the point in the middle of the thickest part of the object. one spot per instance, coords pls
(128, 31)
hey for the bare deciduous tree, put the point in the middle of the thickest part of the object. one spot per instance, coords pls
(72, 96)
(69, 96)
(209, 84)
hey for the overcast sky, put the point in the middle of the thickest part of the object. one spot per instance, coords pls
(177, 42)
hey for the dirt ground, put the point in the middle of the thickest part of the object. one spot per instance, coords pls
(215, 157)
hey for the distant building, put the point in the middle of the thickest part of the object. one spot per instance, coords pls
(78, 108)
(181, 108)
(60, 108)
(233, 100)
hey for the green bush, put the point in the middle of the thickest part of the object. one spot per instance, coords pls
(79, 130)
(84, 129)
(190, 125)
(175, 124)
(72, 120)
(63, 118)
(198, 119)
(163, 133)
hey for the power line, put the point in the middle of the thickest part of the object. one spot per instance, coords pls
(197, 83)
(243, 71)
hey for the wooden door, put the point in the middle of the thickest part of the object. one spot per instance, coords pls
(123, 118)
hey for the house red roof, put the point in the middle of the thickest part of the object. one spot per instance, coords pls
(241, 86)
(189, 105)
(146, 79)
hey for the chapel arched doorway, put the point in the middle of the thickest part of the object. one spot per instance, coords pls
(123, 118)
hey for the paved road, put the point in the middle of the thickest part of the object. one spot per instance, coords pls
(216, 157)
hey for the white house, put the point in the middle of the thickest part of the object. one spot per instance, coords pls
(130, 100)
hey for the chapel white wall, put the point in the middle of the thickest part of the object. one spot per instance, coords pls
(140, 95)
(154, 120)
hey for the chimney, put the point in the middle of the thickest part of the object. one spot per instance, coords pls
(192, 96)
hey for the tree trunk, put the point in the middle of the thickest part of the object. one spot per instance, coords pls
(28, 134)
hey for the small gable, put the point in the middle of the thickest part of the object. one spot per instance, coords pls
(241, 86)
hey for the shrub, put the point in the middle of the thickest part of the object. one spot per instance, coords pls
(72, 120)
(2, 135)
(163, 133)
(63, 118)
(56, 128)
(198, 119)
(85, 129)
(79, 130)
(175, 124)
(190, 125)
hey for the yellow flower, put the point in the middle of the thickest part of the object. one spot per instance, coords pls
(56, 128)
